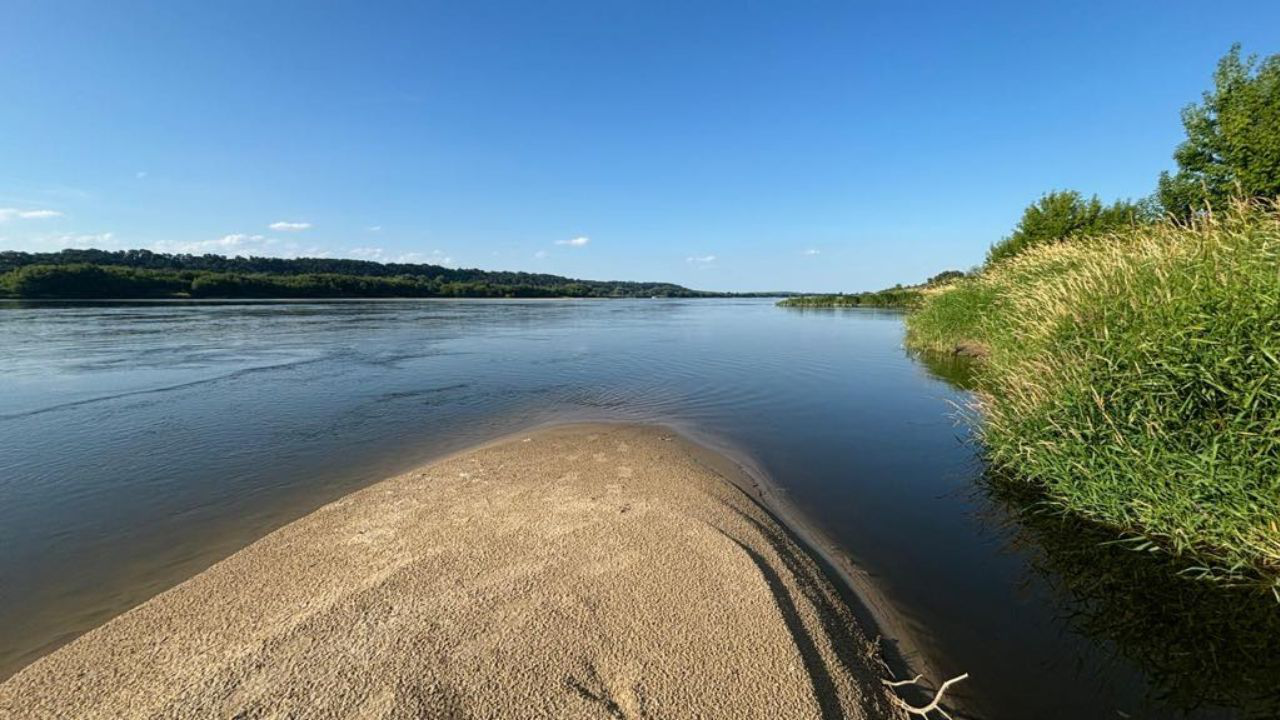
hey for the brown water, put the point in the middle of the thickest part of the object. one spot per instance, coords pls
(140, 442)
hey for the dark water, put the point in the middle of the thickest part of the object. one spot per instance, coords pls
(141, 442)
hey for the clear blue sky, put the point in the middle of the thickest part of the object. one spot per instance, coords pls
(786, 145)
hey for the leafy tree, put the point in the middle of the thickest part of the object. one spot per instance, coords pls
(1062, 213)
(1233, 139)
(944, 276)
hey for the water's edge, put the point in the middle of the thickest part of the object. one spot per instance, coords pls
(902, 651)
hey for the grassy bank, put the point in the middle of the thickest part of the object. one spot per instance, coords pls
(1135, 377)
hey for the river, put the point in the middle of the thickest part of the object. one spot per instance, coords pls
(141, 442)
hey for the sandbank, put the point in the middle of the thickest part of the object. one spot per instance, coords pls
(578, 571)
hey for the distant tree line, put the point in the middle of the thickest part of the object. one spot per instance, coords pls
(892, 297)
(146, 274)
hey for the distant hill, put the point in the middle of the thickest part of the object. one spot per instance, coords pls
(146, 274)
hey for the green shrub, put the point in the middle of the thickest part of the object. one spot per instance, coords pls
(947, 320)
(1063, 214)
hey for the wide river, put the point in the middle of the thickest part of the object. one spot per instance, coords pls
(141, 442)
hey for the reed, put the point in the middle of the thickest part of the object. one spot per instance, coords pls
(1135, 377)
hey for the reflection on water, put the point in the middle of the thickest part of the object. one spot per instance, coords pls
(957, 370)
(1201, 645)
(140, 442)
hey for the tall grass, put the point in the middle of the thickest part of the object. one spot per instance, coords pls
(1136, 378)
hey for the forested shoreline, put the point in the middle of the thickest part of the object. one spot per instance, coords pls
(140, 274)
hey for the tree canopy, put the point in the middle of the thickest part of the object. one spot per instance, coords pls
(1233, 139)
(1061, 214)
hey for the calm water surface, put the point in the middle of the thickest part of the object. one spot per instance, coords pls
(140, 442)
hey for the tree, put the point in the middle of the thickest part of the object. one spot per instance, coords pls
(944, 276)
(1061, 214)
(1233, 139)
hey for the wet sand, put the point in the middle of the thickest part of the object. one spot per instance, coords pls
(578, 571)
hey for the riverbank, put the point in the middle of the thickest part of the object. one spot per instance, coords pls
(1135, 378)
(576, 571)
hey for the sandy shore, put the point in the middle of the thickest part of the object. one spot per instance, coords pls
(581, 571)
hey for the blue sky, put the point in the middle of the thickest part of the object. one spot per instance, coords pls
(736, 145)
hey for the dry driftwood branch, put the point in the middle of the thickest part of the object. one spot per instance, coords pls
(900, 683)
(932, 706)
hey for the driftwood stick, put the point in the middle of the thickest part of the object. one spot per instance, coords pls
(900, 683)
(932, 706)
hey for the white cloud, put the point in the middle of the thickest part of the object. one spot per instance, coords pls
(51, 243)
(85, 240)
(12, 213)
(700, 259)
(243, 245)
(435, 257)
(813, 251)
(285, 226)
(377, 254)
(540, 254)
(575, 242)
(374, 228)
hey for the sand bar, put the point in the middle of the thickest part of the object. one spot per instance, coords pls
(580, 571)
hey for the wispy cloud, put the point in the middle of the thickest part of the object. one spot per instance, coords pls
(62, 241)
(435, 257)
(15, 213)
(243, 245)
(377, 254)
(368, 253)
(813, 251)
(700, 259)
(575, 242)
(374, 228)
(540, 254)
(103, 240)
(286, 226)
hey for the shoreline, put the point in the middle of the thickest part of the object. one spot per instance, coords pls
(904, 652)
(706, 485)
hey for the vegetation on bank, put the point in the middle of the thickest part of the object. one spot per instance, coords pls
(1131, 353)
(1136, 378)
(898, 296)
(893, 297)
(1066, 213)
(144, 274)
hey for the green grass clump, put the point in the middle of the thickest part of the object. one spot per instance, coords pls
(1136, 378)
(949, 319)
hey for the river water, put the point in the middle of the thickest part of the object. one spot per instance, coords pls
(141, 442)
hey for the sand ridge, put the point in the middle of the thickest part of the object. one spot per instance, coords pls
(579, 571)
